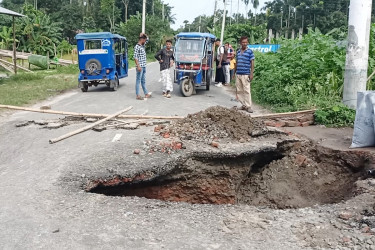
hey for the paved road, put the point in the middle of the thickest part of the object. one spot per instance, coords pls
(43, 205)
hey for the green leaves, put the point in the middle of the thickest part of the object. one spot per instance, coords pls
(335, 116)
(301, 75)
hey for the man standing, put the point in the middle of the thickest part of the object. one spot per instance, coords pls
(220, 59)
(140, 61)
(226, 67)
(166, 58)
(245, 73)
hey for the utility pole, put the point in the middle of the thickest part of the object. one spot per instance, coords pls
(200, 23)
(162, 11)
(238, 10)
(231, 12)
(213, 28)
(144, 17)
(357, 52)
(223, 24)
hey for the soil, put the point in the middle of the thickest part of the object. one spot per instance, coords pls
(216, 123)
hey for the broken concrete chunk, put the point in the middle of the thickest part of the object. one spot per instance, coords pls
(89, 119)
(41, 122)
(54, 125)
(23, 124)
(99, 128)
(130, 126)
(45, 107)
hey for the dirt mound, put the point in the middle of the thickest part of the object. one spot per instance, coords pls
(216, 123)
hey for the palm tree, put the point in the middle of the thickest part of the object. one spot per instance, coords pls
(255, 6)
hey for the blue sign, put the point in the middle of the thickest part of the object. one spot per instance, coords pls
(264, 48)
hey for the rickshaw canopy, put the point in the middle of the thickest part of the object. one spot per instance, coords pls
(195, 35)
(98, 35)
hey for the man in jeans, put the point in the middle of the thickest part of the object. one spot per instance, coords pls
(245, 73)
(166, 58)
(140, 61)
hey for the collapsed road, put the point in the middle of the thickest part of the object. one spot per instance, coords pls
(203, 182)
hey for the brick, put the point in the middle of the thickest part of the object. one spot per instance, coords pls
(137, 151)
(306, 124)
(292, 124)
(300, 160)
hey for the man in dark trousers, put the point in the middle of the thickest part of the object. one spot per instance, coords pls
(140, 61)
(244, 71)
(220, 62)
(166, 59)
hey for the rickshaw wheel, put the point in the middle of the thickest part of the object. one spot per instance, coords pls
(186, 87)
(85, 87)
(208, 80)
(116, 83)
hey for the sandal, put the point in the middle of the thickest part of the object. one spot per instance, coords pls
(148, 95)
(139, 97)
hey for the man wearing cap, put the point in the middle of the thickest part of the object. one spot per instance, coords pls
(140, 61)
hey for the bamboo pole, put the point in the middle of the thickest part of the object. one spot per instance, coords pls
(6, 67)
(88, 126)
(25, 69)
(285, 114)
(370, 77)
(88, 114)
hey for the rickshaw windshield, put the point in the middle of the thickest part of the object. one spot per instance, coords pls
(189, 50)
(92, 44)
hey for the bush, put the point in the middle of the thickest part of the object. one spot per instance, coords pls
(301, 75)
(336, 116)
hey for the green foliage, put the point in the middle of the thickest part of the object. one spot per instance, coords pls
(39, 33)
(6, 36)
(256, 34)
(336, 116)
(301, 75)
(371, 62)
(64, 46)
(157, 30)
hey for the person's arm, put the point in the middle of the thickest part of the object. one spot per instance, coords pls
(136, 58)
(172, 60)
(221, 56)
(158, 56)
(252, 70)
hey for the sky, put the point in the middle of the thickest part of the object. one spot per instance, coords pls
(189, 9)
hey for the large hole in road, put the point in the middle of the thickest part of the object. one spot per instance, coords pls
(294, 175)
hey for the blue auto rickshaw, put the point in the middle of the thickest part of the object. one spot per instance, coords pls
(102, 59)
(193, 61)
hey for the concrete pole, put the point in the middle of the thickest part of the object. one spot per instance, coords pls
(357, 52)
(223, 23)
(144, 17)
(213, 28)
(162, 11)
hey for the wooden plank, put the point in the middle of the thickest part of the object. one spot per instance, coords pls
(88, 114)
(78, 131)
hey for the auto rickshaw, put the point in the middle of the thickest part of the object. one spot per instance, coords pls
(193, 61)
(102, 59)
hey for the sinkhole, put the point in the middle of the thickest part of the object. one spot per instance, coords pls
(293, 175)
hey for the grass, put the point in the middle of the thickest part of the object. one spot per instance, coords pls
(29, 88)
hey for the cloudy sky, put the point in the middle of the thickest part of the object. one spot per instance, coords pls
(189, 9)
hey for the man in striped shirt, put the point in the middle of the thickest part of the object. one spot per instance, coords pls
(140, 61)
(244, 71)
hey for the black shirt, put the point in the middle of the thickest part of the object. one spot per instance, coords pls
(166, 56)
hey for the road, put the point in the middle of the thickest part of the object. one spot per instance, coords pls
(44, 206)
